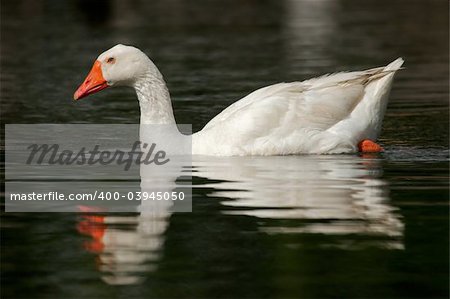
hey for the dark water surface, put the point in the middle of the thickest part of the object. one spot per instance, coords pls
(348, 226)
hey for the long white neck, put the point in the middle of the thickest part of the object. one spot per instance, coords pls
(154, 99)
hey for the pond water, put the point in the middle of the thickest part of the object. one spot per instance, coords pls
(343, 226)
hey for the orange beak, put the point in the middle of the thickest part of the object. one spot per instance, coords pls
(94, 82)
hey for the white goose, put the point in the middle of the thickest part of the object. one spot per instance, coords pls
(337, 113)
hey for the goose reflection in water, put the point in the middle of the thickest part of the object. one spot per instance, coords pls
(340, 196)
(127, 245)
(329, 194)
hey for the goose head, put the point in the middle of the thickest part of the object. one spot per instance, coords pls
(119, 66)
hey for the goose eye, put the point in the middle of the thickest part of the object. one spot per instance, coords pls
(111, 60)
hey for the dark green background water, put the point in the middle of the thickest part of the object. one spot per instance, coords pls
(295, 227)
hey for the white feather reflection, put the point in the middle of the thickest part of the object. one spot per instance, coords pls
(333, 195)
(128, 246)
(340, 196)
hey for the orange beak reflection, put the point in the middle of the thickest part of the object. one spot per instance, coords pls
(94, 82)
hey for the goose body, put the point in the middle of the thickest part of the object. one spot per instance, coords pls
(325, 115)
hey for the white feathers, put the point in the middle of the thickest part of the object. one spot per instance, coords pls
(125, 65)
(329, 114)
(324, 115)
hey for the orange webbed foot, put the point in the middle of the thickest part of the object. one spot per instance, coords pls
(368, 146)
